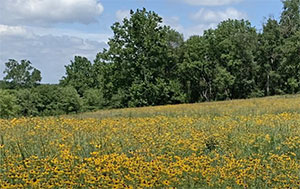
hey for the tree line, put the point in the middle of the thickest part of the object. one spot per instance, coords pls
(148, 63)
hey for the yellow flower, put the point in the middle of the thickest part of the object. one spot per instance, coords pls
(268, 138)
(166, 182)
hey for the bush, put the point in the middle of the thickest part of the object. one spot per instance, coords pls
(69, 100)
(27, 100)
(93, 99)
(55, 100)
(8, 105)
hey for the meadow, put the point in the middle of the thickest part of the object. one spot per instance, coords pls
(231, 144)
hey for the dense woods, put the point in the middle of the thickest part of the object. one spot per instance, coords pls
(148, 63)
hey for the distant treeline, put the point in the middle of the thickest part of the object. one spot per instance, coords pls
(148, 64)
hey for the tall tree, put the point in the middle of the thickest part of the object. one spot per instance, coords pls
(290, 17)
(234, 46)
(8, 105)
(140, 60)
(21, 74)
(290, 27)
(197, 72)
(290, 69)
(269, 57)
(79, 74)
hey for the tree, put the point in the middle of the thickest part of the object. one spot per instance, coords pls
(93, 99)
(21, 74)
(141, 60)
(8, 105)
(104, 80)
(196, 70)
(55, 100)
(290, 17)
(27, 99)
(290, 28)
(204, 79)
(290, 69)
(234, 44)
(269, 57)
(70, 101)
(79, 74)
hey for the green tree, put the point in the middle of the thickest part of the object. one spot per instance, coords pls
(234, 44)
(27, 100)
(141, 61)
(290, 69)
(104, 80)
(55, 100)
(8, 105)
(204, 79)
(70, 101)
(290, 17)
(196, 70)
(4, 84)
(93, 99)
(269, 57)
(79, 74)
(21, 74)
(290, 28)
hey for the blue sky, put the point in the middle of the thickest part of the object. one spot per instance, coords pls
(50, 33)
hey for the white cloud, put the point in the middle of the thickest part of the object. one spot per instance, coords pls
(199, 29)
(100, 37)
(206, 19)
(174, 23)
(45, 12)
(23, 34)
(202, 20)
(49, 53)
(211, 2)
(121, 14)
(210, 16)
(12, 30)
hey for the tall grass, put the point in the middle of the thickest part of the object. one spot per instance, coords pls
(240, 144)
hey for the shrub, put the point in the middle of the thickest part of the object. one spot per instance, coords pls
(93, 99)
(8, 105)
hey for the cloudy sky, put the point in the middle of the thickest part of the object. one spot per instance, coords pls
(50, 33)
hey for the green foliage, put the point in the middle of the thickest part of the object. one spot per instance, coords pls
(158, 92)
(70, 101)
(8, 105)
(290, 17)
(150, 64)
(3, 84)
(54, 100)
(27, 100)
(235, 44)
(290, 70)
(93, 99)
(204, 80)
(103, 77)
(290, 29)
(141, 61)
(190, 73)
(21, 74)
(79, 74)
(269, 58)
(220, 64)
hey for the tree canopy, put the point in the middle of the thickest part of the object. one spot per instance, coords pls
(21, 74)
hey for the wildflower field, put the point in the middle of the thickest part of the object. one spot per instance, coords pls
(233, 144)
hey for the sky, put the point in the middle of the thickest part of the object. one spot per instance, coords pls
(50, 33)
